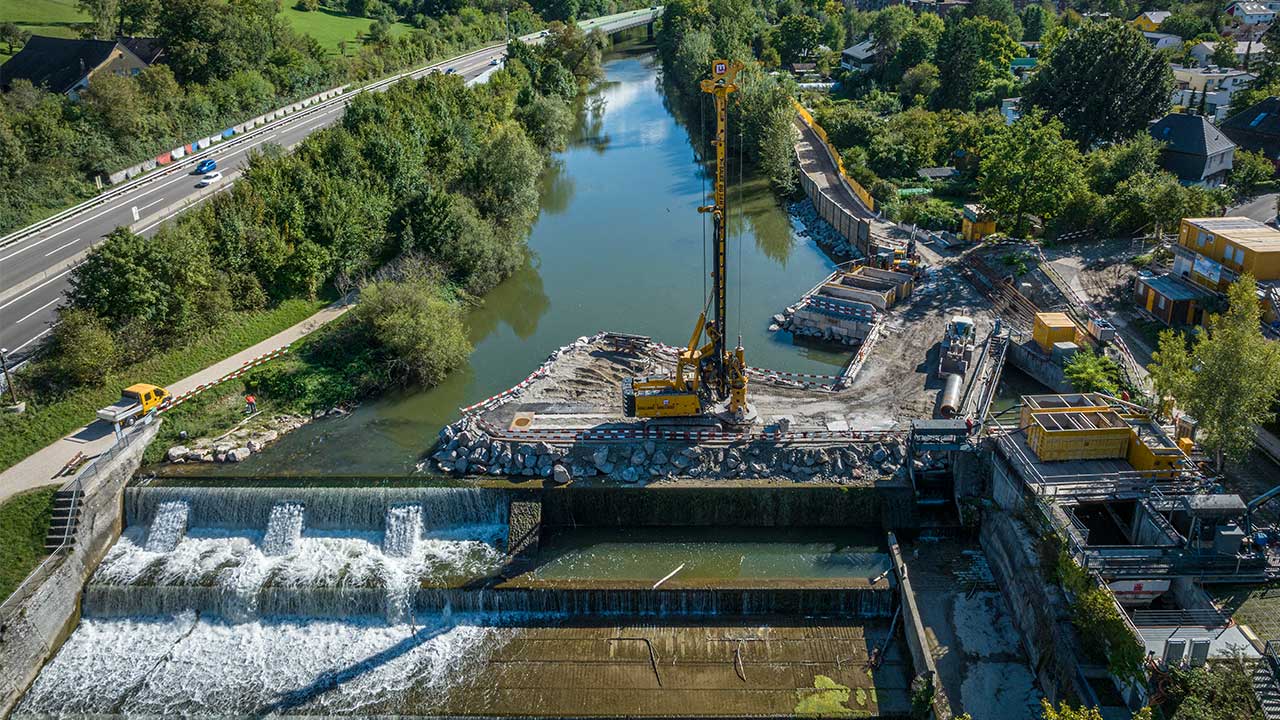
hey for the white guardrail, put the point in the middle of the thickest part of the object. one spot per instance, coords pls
(141, 174)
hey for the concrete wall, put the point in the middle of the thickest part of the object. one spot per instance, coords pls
(1039, 608)
(34, 625)
(917, 641)
(524, 517)
(755, 506)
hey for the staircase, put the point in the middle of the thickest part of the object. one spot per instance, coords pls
(66, 517)
(1266, 688)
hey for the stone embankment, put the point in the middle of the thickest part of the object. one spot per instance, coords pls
(240, 443)
(465, 449)
(827, 237)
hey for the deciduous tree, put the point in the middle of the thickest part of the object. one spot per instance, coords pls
(1028, 167)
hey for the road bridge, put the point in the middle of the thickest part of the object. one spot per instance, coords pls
(35, 262)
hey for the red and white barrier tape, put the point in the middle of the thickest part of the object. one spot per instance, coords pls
(244, 367)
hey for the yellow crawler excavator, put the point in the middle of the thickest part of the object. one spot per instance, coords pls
(709, 379)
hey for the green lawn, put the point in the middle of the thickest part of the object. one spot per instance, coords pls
(24, 521)
(22, 435)
(330, 28)
(56, 18)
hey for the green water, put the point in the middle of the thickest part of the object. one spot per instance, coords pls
(705, 554)
(618, 246)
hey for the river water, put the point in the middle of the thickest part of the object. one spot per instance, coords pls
(618, 246)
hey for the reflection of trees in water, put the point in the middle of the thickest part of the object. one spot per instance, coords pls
(556, 188)
(588, 129)
(520, 301)
(770, 224)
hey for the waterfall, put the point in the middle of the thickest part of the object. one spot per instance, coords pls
(404, 528)
(284, 529)
(168, 527)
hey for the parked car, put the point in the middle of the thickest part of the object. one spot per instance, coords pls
(209, 179)
(206, 165)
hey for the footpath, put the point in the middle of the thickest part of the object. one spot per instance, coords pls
(43, 467)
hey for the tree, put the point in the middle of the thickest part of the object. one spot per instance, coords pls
(420, 335)
(1172, 373)
(889, 27)
(918, 84)
(798, 36)
(1103, 81)
(1088, 371)
(11, 35)
(1248, 170)
(81, 350)
(103, 16)
(1064, 711)
(1224, 53)
(1028, 167)
(977, 51)
(1237, 378)
(1186, 25)
(1108, 166)
(1158, 201)
(1037, 21)
(1001, 11)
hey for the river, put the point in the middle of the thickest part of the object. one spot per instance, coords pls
(617, 246)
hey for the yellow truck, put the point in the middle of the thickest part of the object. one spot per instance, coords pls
(135, 402)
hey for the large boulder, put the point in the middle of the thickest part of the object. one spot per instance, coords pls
(630, 475)
(239, 454)
(560, 474)
(178, 453)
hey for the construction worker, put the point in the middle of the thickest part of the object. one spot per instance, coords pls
(250, 404)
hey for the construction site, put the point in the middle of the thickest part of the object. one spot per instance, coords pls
(645, 529)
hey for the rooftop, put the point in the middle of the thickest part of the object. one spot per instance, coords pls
(1173, 288)
(55, 64)
(1190, 134)
(1245, 232)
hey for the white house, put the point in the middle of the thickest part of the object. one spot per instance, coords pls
(1216, 86)
(1254, 51)
(859, 57)
(1160, 40)
(1251, 13)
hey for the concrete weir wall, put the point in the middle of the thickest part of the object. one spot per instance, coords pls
(1039, 608)
(34, 626)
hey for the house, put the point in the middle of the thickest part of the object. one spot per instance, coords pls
(1021, 66)
(801, 69)
(1210, 87)
(1257, 128)
(861, 57)
(946, 172)
(67, 66)
(1246, 52)
(1011, 109)
(1251, 13)
(1150, 20)
(1160, 40)
(1194, 150)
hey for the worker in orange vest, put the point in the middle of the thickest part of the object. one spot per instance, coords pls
(250, 404)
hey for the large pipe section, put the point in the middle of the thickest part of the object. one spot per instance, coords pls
(951, 394)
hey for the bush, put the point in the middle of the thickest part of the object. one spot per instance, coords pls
(419, 336)
(1088, 371)
(930, 214)
(81, 350)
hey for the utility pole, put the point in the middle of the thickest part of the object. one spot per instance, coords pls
(8, 379)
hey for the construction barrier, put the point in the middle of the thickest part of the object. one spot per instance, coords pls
(244, 367)
(177, 154)
(854, 186)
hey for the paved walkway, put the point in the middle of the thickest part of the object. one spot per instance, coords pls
(816, 163)
(42, 468)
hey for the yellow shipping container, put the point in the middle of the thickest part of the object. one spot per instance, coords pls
(1145, 457)
(1053, 327)
(1087, 435)
(1079, 402)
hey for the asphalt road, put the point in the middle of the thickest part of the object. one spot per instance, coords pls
(34, 270)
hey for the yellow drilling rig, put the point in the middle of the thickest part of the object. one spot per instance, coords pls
(709, 379)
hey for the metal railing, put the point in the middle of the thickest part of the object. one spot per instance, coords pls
(77, 487)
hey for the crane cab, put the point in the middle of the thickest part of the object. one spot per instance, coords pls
(656, 396)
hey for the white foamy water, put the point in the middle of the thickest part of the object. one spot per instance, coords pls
(284, 528)
(404, 529)
(184, 666)
(229, 572)
(168, 527)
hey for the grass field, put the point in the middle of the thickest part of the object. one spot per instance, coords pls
(24, 521)
(42, 424)
(58, 17)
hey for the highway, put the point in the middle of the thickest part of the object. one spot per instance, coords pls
(35, 263)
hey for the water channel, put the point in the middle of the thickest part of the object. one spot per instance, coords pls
(617, 246)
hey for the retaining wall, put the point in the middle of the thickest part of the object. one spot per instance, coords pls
(34, 625)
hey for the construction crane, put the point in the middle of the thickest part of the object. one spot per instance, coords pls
(708, 378)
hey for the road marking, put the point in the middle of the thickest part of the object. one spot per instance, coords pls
(37, 337)
(62, 247)
(153, 202)
(46, 282)
(29, 315)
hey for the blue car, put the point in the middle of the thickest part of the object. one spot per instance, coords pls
(206, 165)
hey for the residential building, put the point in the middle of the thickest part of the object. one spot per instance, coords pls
(1246, 52)
(945, 172)
(1194, 150)
(860, 57)
(802, 69)
(68, 66)
(1210, 87)
(1257, 128)
(1021, 66)
(1150, 20)
(1160, 40)
(1011, 109)
(1251, 13)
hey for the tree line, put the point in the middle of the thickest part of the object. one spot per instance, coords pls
(431, 177)
(224, 61)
